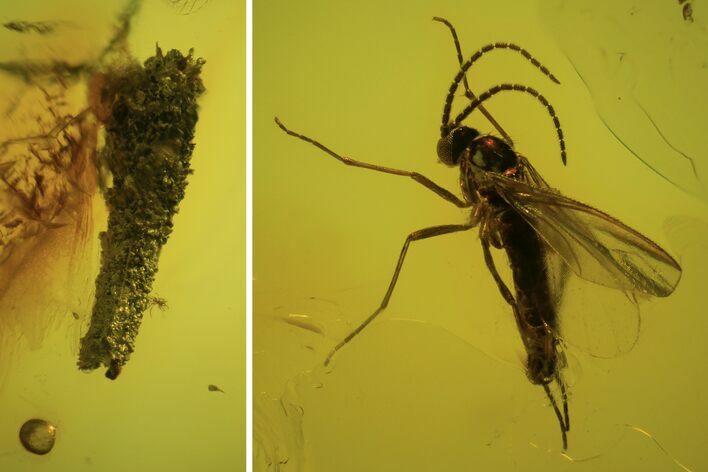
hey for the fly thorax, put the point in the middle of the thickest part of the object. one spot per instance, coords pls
(491, 154)
(467, 182)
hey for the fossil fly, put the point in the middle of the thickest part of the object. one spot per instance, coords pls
(544, 234)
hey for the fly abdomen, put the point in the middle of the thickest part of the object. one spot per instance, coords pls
(536, 315)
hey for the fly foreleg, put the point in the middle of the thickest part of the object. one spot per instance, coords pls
(421, 179)
(414, 236)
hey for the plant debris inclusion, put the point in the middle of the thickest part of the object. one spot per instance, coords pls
(150, 112)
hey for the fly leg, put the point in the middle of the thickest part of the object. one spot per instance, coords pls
(421, 179)
(565, 427)
(414, 236)
(564, 396)
(503, 289)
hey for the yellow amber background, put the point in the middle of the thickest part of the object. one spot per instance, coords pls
(159, 414)
(437, 382)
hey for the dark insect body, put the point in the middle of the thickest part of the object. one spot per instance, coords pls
(545, 235)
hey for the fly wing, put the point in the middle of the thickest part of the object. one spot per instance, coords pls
(594, 245)
(530, 175)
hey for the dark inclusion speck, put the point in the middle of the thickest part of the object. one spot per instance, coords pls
(38, 436)
(688, 13)
(29, 27)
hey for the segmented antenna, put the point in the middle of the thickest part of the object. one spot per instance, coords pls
(468, 92)
(518, 88)
(444, 129)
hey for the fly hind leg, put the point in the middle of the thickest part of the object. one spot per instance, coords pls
(564, 397)
(564, 425)
(414, 236)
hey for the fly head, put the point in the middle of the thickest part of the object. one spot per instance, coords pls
(452, 146)
(484, 152)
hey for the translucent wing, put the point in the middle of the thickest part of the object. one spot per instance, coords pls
(595, 246)
(601, 318)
